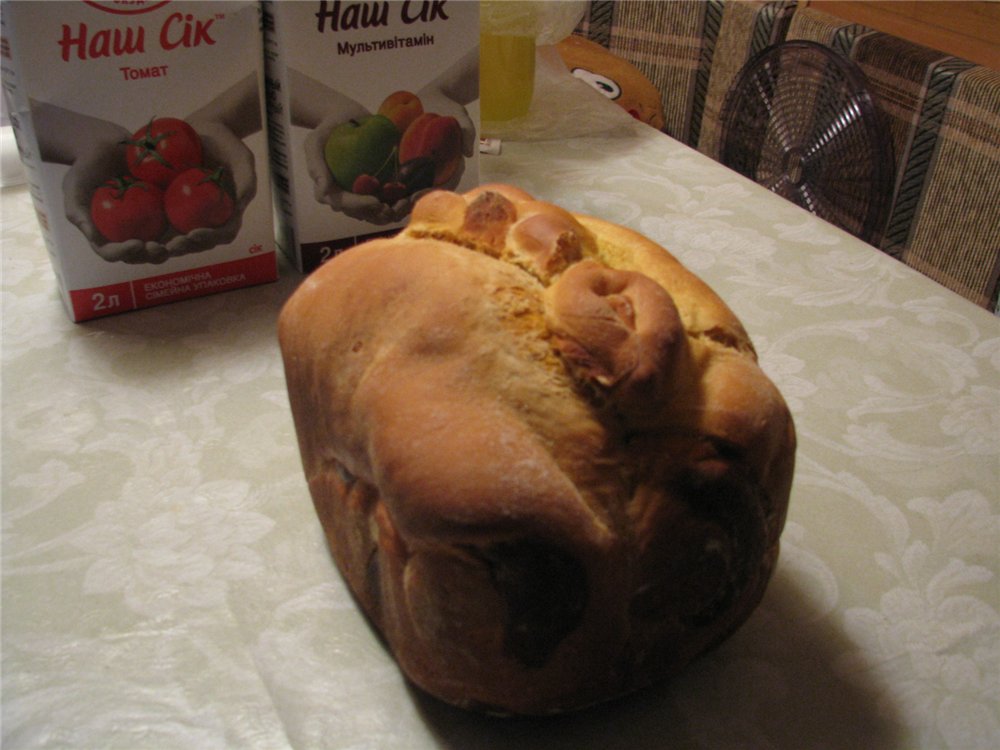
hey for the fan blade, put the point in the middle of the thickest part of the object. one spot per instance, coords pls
(780, 184)
(762, 94)
(848, 116)
(804, 197)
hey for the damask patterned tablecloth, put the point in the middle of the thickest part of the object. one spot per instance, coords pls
(166, 583)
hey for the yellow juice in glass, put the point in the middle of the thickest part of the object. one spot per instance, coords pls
(506, 75)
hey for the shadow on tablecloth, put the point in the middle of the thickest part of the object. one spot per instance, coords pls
(774, 684)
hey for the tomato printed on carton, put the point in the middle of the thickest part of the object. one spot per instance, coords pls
(370, 105)
(143, 169)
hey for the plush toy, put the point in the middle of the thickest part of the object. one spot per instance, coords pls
(613, 76)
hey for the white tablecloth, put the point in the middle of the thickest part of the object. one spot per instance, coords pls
(166, 583)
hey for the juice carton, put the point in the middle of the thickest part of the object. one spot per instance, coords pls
(141, 129)
(370, 105)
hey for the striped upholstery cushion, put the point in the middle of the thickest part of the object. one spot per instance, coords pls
(664, 41)
(944, 116)
(746, 28)
(678, 45)
(597, 20)
(826, 29)
(916, 148)
(895, 70)
(955, 235)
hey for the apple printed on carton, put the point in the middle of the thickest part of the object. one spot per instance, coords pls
(396, 152)
(365, 146)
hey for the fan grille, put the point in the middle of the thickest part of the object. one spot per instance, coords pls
(801, 122)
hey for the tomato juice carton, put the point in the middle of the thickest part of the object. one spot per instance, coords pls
(370, 105)
(141, 128)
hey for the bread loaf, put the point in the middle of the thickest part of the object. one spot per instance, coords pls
(546, 461)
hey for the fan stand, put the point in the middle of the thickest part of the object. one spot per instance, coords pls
(801, 121)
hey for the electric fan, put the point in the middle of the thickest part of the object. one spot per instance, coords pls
(800, 121)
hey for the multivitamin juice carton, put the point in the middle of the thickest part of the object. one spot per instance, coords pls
(370, 105)
(141, 129)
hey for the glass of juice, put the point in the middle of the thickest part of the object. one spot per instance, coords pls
(506, 75)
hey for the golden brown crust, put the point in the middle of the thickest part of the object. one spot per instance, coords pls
(542, 451)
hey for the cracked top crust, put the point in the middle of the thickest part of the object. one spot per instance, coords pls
(545, 458)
